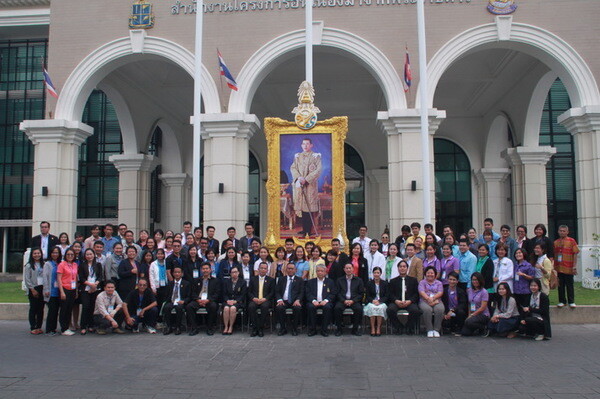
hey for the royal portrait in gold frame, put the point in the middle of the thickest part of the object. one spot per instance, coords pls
(291, 199)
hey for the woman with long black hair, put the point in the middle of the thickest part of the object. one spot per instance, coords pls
(33, 277)
(90, 283)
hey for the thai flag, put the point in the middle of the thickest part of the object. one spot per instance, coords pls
(225, 72)
(49, 85)
(407, 73)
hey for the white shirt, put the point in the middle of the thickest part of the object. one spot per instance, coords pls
(348, 291)
(246, 272)
(320, 290)
(375, 260)
(178, 289)
(44, 244)
(504, 269)
(364, 243)
(286, 293)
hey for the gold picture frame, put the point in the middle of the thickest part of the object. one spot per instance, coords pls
(275, 129)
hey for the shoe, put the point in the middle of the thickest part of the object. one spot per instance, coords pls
(325, 333)
(572, 305)
(261, 333)
(68, 333)
(118, 331)
(151, 330)
(224, 333)
(338, 332)
(294, 333)
(193, 331)
(429, 334)
(281, 332)
(210, 332)
(539, 337)
(311, 333)
(485, 333)
(100, 332)
(436, 334)
(254, 333)
(457, 334)
(51, 333)
(167, 331)
(177, 331)
(511, 334)
(378, 335)
(560, 305)
(356, 333)
(373, 334)
(136, 330)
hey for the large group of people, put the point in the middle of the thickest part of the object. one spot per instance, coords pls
(487, 284)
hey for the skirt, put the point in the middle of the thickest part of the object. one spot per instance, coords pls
(376, 310)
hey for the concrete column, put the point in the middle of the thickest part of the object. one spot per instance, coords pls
(56, 156)
(403, 128)
(377, 201)
(491, 193)
(226, 145)
(584, 125)
(530, 201)
(134, 189)
(176, 199)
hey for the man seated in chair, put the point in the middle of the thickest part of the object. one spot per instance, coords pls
(260, 295)
(177, 297)
(205, 294)
(403, 295)
(289, 294)
(140, 307)
(320, 294)
(350, 291)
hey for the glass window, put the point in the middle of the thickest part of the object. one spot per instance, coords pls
(452, 187)
(355, 190)
(22, 96)
(98, 195)
(560, 170)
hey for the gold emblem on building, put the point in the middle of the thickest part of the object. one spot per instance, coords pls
(141, 15)
(501, 7)
(306, 112)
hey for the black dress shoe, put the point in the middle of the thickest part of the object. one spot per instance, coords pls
(281, 332)
(294, 333)
(177, 331)
(338, 332)
(261, 333)
(193, 331)
(167, 331)
(325, 333)
(210, 332)
(373, 335)
(254, 333)
(312, 333)
(357, 333)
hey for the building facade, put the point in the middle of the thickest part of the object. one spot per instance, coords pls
(513, 107)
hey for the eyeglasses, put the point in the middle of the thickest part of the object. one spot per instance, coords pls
(142, 285)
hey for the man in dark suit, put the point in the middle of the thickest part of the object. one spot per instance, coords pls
(206, 293)
(175, 259)
(213, 243)
(177, 297)
(260, 296)
(45, 240)
(320, 294)
(403, 294)
(235, 243)
(246, 241)
(289, 294)
(350, 291)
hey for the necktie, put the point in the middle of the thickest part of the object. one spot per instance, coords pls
(205, 286)
(261, 282)
(287, 289)
(175, 292)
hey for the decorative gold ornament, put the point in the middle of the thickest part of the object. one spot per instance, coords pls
(306, 112)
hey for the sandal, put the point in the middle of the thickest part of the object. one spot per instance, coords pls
(83, 332)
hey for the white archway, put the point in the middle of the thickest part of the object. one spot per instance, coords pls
(497, 142)
(269, 56)
(536, 108)
(124, 118)
(557, 54)
(108, 57)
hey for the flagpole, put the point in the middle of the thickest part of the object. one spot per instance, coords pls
(309, 41)
(423, 83)
(196, 116)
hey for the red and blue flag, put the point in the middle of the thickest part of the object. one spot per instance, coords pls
(225, 72)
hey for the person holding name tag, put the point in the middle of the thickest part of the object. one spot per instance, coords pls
(141, 308)
(67, 276)
(205, 294)
(90, 280)
(33, 278)
(108, 313)
(479, 315)
(51, 292)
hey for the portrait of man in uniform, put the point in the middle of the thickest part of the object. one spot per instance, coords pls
(306, 170)
(305, 203)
